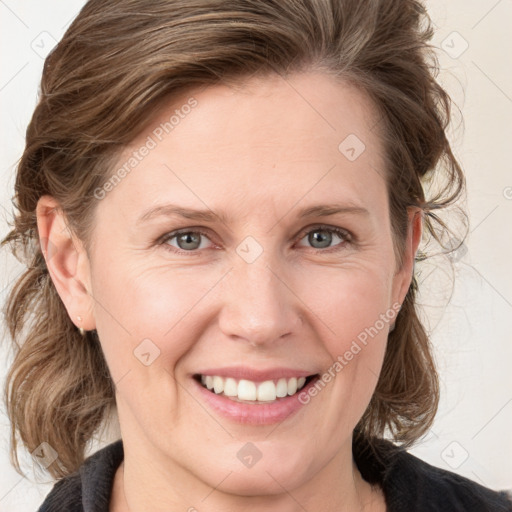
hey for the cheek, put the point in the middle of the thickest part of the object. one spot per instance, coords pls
(348, 302)
(134, 305)
(354, 310)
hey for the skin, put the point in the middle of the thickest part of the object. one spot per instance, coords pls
(260, 153)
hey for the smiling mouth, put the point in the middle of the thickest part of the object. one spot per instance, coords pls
(247, 391)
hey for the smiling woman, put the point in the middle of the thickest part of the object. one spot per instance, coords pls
(227, 200)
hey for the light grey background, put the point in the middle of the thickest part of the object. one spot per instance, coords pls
(472, 434)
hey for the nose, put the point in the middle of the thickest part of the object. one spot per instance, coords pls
(259, 305)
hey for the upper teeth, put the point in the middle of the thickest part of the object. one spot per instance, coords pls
(266, 391)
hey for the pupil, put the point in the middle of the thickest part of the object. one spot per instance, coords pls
(188, 238)
(324, 240)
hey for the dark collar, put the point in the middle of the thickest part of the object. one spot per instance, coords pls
(410, 484)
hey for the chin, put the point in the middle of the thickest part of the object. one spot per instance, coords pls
(259, 482)
(268, 475)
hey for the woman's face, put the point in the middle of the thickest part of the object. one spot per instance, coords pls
(288, 267)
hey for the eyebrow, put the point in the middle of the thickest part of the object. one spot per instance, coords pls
(320, 210)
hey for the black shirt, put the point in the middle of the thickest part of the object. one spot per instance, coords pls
(409, 484)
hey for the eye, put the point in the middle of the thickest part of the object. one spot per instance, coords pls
(186, 241)
(192, 240)
(321, 237)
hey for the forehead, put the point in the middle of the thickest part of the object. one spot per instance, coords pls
(268, 141)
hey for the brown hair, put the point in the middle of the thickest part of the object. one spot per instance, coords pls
(102, 82)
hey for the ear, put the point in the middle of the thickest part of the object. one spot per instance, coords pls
(67, 262)
(403, 277)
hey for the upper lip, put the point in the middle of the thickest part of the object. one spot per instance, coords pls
(256, 375)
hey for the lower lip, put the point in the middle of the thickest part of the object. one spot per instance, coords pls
(254, 414)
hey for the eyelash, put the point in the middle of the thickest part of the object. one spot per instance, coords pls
(342, 233)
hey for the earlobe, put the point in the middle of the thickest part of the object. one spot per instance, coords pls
(66, 260)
